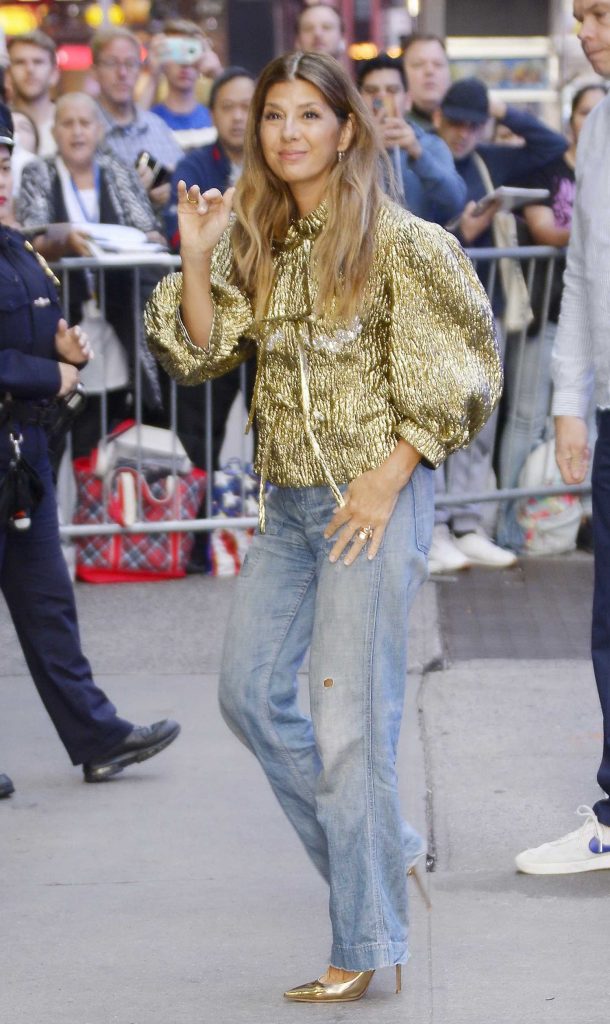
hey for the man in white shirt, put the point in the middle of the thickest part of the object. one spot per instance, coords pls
(581, 364)
(34, 74)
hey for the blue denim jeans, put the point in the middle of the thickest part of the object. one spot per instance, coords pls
(334, 773)
(528, 391)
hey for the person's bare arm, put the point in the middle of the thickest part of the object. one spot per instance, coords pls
(542, 227)
(202, 218)
(61, 240)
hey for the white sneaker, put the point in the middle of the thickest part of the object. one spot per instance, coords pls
(443, 555)
(480, 550)
(586, 849)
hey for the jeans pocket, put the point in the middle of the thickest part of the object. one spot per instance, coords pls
(422, 488)
(250, 560)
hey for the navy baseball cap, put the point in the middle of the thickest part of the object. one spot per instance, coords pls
(7, 137)
(466, 100)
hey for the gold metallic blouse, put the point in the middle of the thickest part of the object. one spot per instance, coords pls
(420, 362)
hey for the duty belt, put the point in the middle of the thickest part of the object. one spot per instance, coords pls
(26, 414)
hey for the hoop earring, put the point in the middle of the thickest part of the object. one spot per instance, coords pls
(340, 154)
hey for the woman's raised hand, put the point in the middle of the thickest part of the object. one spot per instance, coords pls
(202, 218)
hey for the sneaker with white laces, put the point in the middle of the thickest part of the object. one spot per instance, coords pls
(480, 550)
(443, 555)
(586, 849)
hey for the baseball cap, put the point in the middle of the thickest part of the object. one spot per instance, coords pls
(466, 100)
(6, 127)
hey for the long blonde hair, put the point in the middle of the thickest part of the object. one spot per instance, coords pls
(343, 251)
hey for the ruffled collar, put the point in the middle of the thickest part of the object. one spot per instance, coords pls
(308, 227)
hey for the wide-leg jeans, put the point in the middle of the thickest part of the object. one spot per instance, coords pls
(334, 773)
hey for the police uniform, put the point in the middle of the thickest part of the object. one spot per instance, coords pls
(33, 574)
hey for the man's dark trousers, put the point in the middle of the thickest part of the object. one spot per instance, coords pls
(600, 634)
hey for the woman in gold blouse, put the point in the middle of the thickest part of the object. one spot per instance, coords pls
(376, 358)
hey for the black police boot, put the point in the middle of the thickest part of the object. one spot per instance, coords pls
(6, 786)
(141, 743)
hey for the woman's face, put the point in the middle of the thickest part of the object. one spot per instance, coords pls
(77, 131)
(300, 137)
(586, 103)
(6, 183)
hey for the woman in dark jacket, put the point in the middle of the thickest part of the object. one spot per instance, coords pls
(39, 360)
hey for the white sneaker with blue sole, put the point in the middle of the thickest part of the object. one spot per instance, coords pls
(586, 849)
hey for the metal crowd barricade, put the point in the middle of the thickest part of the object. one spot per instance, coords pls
(165, 263)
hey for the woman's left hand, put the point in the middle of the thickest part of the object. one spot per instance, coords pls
(72, 344)
(369, 503)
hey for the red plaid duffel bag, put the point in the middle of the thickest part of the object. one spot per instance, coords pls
(125, 558)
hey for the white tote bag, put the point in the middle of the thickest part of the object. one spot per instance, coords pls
(109, 369)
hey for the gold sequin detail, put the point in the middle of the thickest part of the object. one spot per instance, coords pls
(423, 364)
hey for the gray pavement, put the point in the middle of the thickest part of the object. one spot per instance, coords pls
(177, 894)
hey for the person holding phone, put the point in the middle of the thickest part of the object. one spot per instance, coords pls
(376, 356)
(424, 173)
(131, 131)
(183, 54)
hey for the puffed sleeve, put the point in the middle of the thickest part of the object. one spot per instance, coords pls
(168, 338)
(445, 371)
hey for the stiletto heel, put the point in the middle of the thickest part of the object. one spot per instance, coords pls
(414, 873)
(398, 978)
(331, 992)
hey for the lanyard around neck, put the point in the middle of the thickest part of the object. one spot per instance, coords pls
(79, 198)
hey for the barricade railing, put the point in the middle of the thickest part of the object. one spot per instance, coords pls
(144, 269)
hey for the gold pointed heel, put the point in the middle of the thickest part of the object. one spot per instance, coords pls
(398, 978)
(415, 875)
(331, 992)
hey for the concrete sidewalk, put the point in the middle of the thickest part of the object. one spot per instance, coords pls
(177, 894)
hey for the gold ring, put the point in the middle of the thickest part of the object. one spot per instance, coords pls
(365, 533)
(193, 202)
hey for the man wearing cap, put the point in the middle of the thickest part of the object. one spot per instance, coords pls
(459, 539)
(460, 122)
(40, 358)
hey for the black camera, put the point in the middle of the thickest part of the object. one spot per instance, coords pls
(161, 175)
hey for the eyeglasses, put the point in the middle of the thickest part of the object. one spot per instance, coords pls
(115, 65)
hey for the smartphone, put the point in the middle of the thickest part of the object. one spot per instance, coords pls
(181, 50)
(161, 175)
(385, 104)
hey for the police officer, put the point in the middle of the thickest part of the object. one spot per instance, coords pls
(39, 360)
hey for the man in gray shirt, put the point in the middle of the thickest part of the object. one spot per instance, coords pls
(581, 363)
(129, 130)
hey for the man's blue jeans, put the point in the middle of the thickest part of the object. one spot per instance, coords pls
(334, 773)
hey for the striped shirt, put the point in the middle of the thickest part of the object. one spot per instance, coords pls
(146, 132)
(581, 354)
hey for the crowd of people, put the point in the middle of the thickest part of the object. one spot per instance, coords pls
(116, 151)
